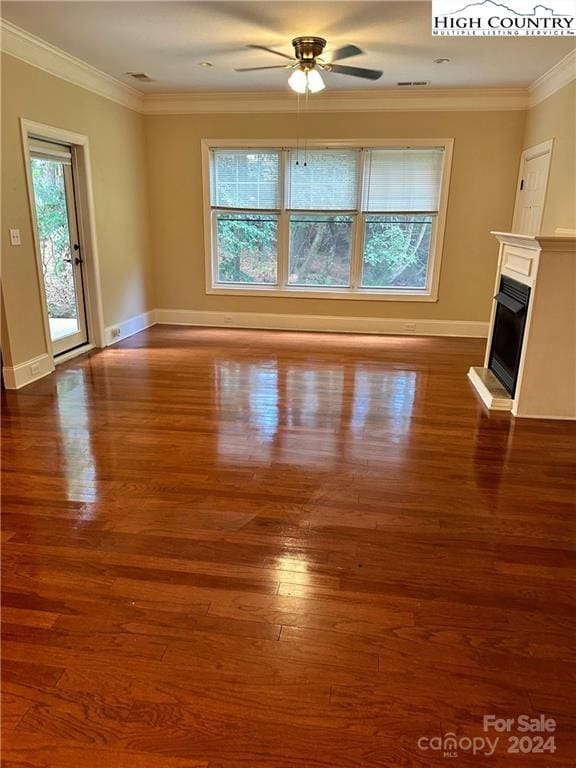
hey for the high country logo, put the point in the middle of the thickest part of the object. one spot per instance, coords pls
(511, 19)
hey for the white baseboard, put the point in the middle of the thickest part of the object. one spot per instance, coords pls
(25, 373)
(17, 376)
(67, 356)
(20, 375)
(129, 327)
(543, 416)
(323, 323)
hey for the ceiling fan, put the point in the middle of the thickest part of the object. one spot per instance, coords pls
(307, 61)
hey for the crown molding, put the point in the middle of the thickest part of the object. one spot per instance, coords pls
(32, 50)
(553, 80)
(384, 100)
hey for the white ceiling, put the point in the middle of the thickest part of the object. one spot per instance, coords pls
(167, 40)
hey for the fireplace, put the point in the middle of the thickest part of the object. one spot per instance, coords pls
(510, 319)
(530, 363)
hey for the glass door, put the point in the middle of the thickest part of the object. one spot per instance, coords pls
(57, 227)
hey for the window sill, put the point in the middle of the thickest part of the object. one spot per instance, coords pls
(298, 292)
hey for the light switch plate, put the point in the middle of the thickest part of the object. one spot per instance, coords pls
(15, 237)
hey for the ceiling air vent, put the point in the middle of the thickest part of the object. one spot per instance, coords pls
(140, 76)
(413, 83)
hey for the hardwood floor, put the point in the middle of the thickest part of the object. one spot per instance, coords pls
(275, 550)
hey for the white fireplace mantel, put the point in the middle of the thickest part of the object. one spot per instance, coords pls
(546, 383)
(537, 242)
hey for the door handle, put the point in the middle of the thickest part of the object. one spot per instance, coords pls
(76, 260)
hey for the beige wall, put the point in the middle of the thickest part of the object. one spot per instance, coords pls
(117, 146)
(555, 118)
(485, 167)
(6, 351)
(150, 167)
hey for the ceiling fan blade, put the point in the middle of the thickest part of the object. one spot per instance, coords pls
(366, 74)
(346, 52)
(271, 50)
(254, 69)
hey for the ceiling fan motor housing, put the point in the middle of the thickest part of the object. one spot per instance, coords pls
(307, 49)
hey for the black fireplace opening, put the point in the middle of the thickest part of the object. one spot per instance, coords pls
(511, 308)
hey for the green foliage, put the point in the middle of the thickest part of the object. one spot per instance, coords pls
(50, 201)
(247, 248)
(52, 219)
(320, 250)
(396, 249)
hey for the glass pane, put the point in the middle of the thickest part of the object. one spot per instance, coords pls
(396, 251)
(320, 250)
(245, 178)
(247, 247)
(324, 179)
(55, 250)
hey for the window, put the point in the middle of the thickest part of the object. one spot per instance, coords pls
(320, 248)
(246, 201)
(247, 247)
(320, 245)
(343, 220)
(401, 199)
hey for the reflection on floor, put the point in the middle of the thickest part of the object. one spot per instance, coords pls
(279, 550)
(62, 326)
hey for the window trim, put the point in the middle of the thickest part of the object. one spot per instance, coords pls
(427, 294)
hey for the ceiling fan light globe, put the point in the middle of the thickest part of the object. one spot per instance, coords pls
(315, 82)
(298, 81)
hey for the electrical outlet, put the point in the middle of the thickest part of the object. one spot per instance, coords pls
(15, 237)
(115, 332)
(410, 327)
(228, 319)
(35, 369)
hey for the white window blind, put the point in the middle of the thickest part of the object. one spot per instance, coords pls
(244, 178)
(403, 180)
(328, 181)
(46, 150)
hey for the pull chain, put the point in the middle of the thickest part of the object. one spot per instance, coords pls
(298, 130)
(305, 125)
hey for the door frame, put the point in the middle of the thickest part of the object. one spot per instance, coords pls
(545, 148)
(86, 229)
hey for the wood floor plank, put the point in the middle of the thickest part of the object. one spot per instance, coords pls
(28, 617)
(84, 642)
(34, 751)
(28, 673)
(13, 710)
(86, 556)
(244, 549)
